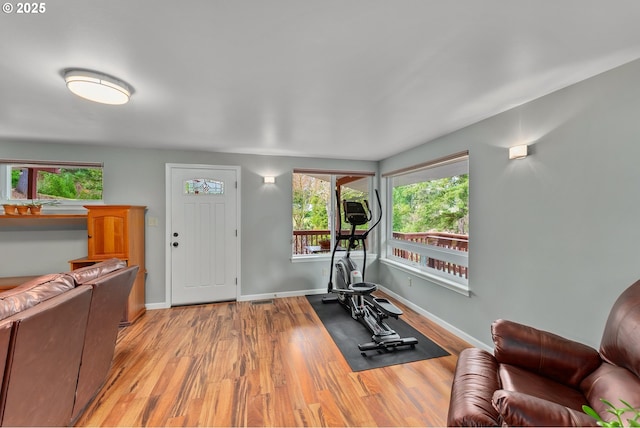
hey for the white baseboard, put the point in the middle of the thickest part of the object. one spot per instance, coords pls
(453, 330)
(249, 297)
(265, 296)
(155, 306)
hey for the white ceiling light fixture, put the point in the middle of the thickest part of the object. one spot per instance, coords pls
(97, 87)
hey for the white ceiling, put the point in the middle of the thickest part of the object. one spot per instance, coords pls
(353, 79)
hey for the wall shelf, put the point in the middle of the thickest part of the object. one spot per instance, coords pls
(43, 221)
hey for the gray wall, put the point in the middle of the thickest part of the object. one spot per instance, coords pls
(137, 177)
(554, 237)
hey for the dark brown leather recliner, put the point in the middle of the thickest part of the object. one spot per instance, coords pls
(57, 340)
(536, 378)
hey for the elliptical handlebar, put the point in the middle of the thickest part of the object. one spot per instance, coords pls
(379, 211)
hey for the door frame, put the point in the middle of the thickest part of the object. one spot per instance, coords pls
(168, 207)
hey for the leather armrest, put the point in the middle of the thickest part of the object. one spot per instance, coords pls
(474, 382)
(522, 410)
(544, 353)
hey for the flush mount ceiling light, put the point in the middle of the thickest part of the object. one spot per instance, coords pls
(97, 87)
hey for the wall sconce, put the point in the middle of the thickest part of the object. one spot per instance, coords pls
(518, 152)
(269, 180)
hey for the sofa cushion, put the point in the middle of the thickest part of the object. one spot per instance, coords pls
(89, 273)
(33, 292)
(611, 383)
(522, 410)
(620, 344)
(520, 380)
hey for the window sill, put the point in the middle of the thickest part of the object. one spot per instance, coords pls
(436, 279)
(61, 208)
(305, 258)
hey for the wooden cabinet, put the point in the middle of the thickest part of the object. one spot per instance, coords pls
(118, 231)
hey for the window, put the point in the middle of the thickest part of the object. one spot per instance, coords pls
(314, 207)
(203, 186)
(429, 208)
(59, 182)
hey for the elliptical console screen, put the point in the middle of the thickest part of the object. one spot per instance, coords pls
(355, 213)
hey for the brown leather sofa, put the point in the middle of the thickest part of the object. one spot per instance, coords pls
(57, 339)
(536, 378)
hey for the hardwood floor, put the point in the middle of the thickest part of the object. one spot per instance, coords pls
(262, 364)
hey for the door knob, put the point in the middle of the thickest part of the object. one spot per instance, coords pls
(175, 244)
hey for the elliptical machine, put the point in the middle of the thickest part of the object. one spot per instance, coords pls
(353, 292)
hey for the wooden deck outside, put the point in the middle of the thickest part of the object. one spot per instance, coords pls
(308, 241)
(305, 240)
(267, 364)
(440, 239)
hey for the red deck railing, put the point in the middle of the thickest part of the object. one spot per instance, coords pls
(304, 240)
(317, 241)
(454, 241)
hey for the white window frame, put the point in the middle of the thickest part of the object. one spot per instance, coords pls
(461, 258)
(372, 249)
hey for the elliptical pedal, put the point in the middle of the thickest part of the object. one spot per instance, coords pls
(387, 345)
(387, 307)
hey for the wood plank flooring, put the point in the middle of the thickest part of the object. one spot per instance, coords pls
(265, 364)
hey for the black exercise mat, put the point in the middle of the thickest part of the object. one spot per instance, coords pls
(347, 333)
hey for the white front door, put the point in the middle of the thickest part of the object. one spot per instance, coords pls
(203, 233)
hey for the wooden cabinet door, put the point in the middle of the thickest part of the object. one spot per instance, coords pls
(108, 233)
